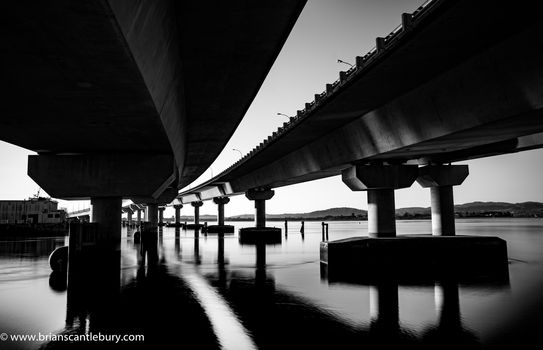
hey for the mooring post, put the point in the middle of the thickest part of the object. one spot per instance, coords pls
(322, 229)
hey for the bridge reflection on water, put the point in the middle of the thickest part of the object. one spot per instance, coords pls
(208, 292)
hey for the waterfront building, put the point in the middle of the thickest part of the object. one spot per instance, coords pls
(37, 210)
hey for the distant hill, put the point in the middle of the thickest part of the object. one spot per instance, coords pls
(473, 209)
(514, 209)
(343, 212)
(413, 211)
(500, 206)
(203, 218)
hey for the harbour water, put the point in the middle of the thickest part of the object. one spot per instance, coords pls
(210, 293)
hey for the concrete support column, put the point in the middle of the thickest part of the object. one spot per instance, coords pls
(161, 215)
(220, 201)
(381, 213)
(177, 208)
(260, 196)
(129, 217)
(152, 214)
(441, 179)
(260, 213)
(197, 206)
(442, 201)
(380, 181)
(106, 211)
(139, 216)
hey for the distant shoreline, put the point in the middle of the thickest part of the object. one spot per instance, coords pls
(425, 217)
(211, 219)
(467, 210)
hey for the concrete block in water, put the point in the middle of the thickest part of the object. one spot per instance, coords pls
(220, 229)
(414, 258)
(193, 226)
(256, 235)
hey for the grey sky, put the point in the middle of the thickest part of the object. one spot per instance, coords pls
(326, 31)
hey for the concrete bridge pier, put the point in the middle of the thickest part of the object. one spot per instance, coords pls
(161, 216)
(220, 201)
(151, 212)
(149, 235)
(260, 233)
(380, 181)
(260, 196)
(381, 213)
(220, 228)
(197, 206)
(129, 217)
(107, 178)
(177, 208)
(106, 211)
(138, 217)
(427, 256)
(196, 225)
(441, 179)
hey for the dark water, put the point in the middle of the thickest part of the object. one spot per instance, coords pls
(199, 296)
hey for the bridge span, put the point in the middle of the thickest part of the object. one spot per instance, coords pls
(116, 96)
(456, 80)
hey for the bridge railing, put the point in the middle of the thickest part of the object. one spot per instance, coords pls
(363, 63)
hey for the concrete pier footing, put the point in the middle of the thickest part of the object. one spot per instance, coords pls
(256, 235)
(226, 229)
(193, 226)
(220, 228)
(260, 234)
(421, 257)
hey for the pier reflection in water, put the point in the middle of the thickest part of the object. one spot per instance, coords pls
(207, 291)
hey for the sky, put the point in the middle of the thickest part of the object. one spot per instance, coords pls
(325, 32)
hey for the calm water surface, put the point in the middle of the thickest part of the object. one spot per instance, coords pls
(200, 296)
